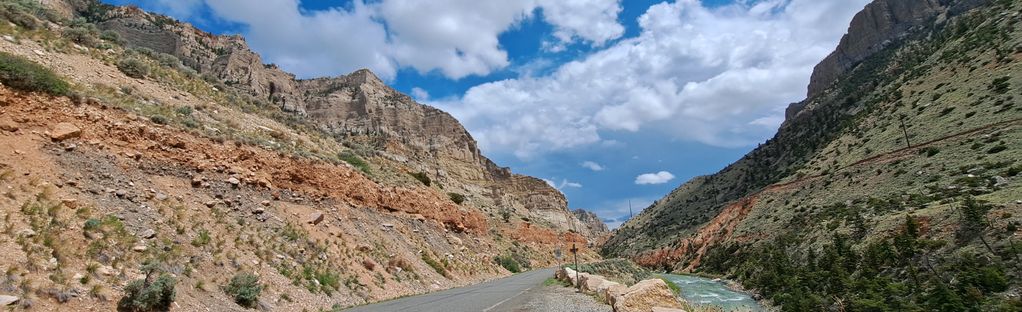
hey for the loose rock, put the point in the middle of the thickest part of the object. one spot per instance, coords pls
(315, 218)
(63, 131)
(147, 234)
(6, 300)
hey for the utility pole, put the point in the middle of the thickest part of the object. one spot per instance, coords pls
(905, 130)
(629, 209)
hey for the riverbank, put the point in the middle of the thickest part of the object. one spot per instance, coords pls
(715, 293)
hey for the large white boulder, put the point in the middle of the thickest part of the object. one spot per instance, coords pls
(644, 296)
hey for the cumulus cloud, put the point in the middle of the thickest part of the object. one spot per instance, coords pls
(591, 165)
(563, 185)
(458, 38)
(720, 76)
(654, 178)
(420, 94)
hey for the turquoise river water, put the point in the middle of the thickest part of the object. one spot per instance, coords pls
(700, 291)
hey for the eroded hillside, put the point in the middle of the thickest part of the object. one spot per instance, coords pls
(177, 153)
(894, 186)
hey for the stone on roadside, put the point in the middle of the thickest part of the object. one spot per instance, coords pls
(63, 131)
(140, 248)
(646, 295)
(258, 210)
(234, 181)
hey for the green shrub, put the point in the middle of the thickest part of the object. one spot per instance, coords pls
(245, 289)
(159, 119)
(82, 36)
(111, 36)
(508, 263)
(142, 295)
(997, 149)
(354, 161)
(456, 198)
(22, 74)
(439, 268)
(422, 177)
(929, 151)
(202, 240)
(674, 287)
(17, 12)
(168, 60)
(133, 67)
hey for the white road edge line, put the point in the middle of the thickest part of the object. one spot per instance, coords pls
(505, 300)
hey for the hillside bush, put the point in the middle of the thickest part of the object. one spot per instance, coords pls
(422, 177)
(439, 268)
(456, 198)
(508, 263)
(22, 74)
(354, 161)
(143, 295)
(133, 67)
(245, 289)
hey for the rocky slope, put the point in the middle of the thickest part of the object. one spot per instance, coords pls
(840, 192)
(358, 109)
(189, 155)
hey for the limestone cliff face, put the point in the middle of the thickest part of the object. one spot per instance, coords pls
(876, 26)
(591, 222)
(358, 108)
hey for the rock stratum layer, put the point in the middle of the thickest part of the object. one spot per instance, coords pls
(180, 152)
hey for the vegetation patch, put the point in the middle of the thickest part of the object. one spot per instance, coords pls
(245, 289)
(22, 74)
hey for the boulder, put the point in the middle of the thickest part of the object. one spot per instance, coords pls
(591, 283)
(315, 218)
(6, 124)
(609, 290)
(149, 233)
(63, 131)
(644, 296)
(6, 300)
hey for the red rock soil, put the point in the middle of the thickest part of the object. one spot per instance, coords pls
(176, 183)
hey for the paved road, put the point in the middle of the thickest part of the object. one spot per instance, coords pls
(493, 296)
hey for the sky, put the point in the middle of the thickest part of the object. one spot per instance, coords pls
(614, 102)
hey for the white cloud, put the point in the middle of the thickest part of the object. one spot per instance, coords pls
(591, 20)
(420, 94)
(720, 76)
(458, 38)
(319, 43)
(564, 184)
(591, 165)
(654, 178)
(178, 8)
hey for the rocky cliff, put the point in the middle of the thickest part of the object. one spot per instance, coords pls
(880, 24)
(905, 155)
(358, 109)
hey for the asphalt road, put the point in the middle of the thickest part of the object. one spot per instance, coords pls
(493, 296)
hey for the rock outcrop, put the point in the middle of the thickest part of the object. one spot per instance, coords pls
(880, 24)
(357, 108)
(645, 296)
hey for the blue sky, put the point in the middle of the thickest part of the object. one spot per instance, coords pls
(651, 93)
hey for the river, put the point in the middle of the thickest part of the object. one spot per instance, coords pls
(700, 292)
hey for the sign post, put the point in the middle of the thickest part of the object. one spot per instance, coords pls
(574, 251)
